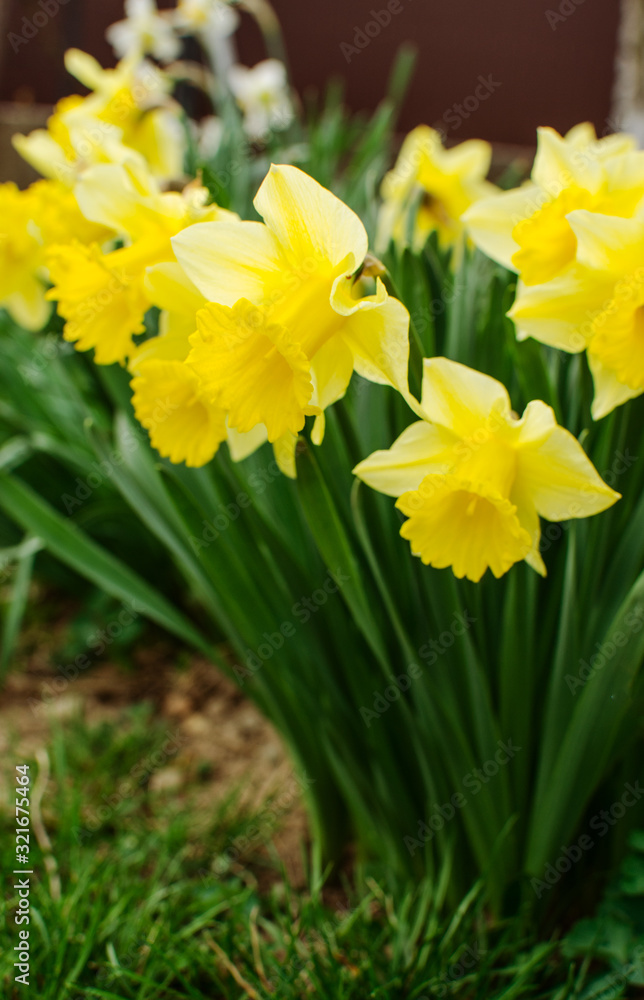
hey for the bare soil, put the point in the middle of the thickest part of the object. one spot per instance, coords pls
(224, 740)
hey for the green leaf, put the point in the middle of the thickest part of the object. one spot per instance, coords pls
(75, 549)
(14, 615)
(335, 548)
(591, 736)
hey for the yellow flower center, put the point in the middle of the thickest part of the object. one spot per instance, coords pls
(465, 525)
(485, 459)
(300, 302)
(252, 368)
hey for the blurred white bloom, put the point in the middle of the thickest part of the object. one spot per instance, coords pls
(211, 16)
(208, 134)
(263, 95)
(143, 30)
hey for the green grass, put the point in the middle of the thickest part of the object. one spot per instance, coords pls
(130, 903)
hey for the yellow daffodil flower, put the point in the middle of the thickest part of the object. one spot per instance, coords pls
(22, 292)
(72, 142)
(103, 296)
(473, 479)
(169, 401)
(31, 221)
(129, 111)
(184, 425)
(134, 97)
(59, 218)
(596, 305)
(286, 324)
(430, 188)
(527, 229)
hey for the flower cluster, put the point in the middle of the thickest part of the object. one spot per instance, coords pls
(575, 235)
(128, 114)
(271, 319)
(261, 324)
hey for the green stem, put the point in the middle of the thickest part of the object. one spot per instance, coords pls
(415, 342)
(270, 27)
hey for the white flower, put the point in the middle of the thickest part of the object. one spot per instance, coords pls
(215, 17)
(263, 95)
(143, 30)
(208, 135)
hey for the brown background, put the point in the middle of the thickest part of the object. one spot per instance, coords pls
(555, 75)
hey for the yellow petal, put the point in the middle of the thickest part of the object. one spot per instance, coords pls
(607, 243)
(284, 451)
(548, 244)
(60, 220)
(559, 162)
(460, 399)
(115, 195)
(169, 287)
(529, 521)
(183, 424)
(101, 297)
(228, 261)
(582, 134)
(85, 68)
(452, 523)
(242, 445)
(609, 391)
(27, 305)
(319, 429)
(490, 222)
(557, 475)
(44, 154)
(331, 371)
(377, 334)
(618, 345)
(309, 221)
(468, 160)
(420, 450)
(252, 368)
(170, 345)
(159, 136)
(560, 313)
